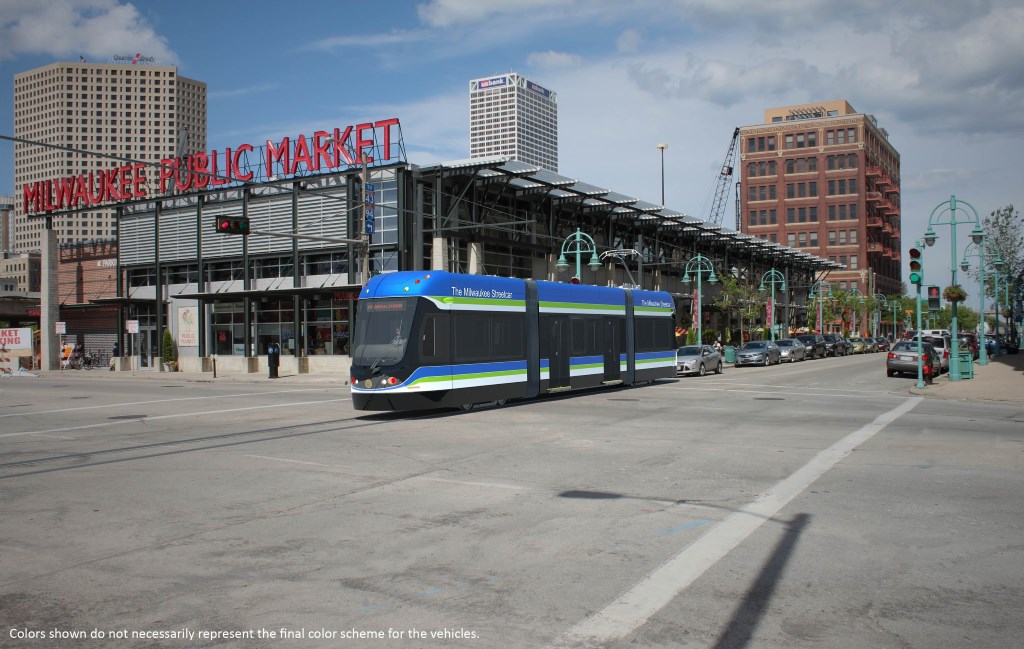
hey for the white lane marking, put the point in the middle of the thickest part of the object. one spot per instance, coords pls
(284, 459)
(174, 416)
(658, 588)
(496, 485)
(143, 403)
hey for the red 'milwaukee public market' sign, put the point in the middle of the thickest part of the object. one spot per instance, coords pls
(324, 151)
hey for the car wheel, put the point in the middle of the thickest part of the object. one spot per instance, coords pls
(767, 360)
(718, 368)
(701, 371)
(890, 372)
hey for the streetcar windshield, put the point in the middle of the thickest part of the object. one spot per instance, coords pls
(382, 330)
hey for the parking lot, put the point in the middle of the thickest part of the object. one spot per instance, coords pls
(804, 505)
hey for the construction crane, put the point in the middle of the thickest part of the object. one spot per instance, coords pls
(721, 195)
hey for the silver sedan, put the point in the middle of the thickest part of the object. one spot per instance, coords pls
(792, 350)
(698, 359)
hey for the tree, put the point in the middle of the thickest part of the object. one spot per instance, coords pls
(1004, 235)
(743, 298)
(169, 351)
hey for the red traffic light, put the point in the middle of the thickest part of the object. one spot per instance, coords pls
(233, 225)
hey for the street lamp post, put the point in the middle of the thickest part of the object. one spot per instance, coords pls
(662, 147)
(997, 263)
(773, 277)
(699, 265)
(578, 244)
(880, 304)
(945, 214)
(854, 324)
(824, 289)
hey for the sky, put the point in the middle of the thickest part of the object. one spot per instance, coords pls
(945, 78)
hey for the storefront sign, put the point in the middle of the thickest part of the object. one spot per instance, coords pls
(324, 151)
(188, 327)
(20, 338)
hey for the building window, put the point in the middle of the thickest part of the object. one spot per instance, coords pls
(853, 262)
(831, 237)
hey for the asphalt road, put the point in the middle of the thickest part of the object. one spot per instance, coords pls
(813, 505)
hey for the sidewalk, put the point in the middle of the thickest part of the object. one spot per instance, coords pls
(193, 377)
(1001, 380)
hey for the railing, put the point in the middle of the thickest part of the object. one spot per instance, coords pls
(875, 247)
(874, 171)
(873, 197)
(875, 222)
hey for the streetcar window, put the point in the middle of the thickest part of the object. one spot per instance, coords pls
(472, 337)
(653, 334)
(507, 339)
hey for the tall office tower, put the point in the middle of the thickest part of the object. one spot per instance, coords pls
(825, 179)
(6, 223)
(511, 116)
(130, 109)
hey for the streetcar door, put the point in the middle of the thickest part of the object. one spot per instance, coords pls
(558, 362)
(610, 340)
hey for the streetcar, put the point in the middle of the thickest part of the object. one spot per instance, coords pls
(433, 339)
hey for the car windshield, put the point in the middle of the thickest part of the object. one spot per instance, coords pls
(689, 350)
(756, 345)
(938, 342)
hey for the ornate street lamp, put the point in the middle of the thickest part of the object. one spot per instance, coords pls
(997, 264)
(945, 213)
(880, 305)
(698, 266)
(578, 244)
(773, 277)
(824, 290)
(854, 324)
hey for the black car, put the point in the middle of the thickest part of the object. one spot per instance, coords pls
(836, 345)
(814, 343)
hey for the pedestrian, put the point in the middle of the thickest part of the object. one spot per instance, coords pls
(718, 345)
(114, 354)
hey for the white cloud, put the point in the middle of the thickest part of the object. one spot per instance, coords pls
(95, 29)
(446, 13)
(551, 59)
(628, 41)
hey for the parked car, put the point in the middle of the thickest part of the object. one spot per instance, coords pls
(791, 350)
(942, 345)
(860, 345)
(836, 345)
(996, 345)
(698, 359)
(814, 343)
(902, 359)
(758, 352)
(968, 340)
(882, 343)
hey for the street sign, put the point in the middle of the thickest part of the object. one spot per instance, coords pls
(133, 326)
(62, 328)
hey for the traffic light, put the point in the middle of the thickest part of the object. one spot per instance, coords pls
(916, 266)
(233, 225)
(934, 303)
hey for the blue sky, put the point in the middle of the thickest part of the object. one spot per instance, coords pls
(945, 78)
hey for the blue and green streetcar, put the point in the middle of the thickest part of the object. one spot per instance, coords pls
(434, 339)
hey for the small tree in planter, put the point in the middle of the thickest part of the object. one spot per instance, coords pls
(954, 293)
(169, 351)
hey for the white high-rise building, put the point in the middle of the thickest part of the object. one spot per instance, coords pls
(131, 109)
(511, 116)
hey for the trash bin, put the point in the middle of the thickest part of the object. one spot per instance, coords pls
(273, 359)
(730, 354)
(966, 365)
